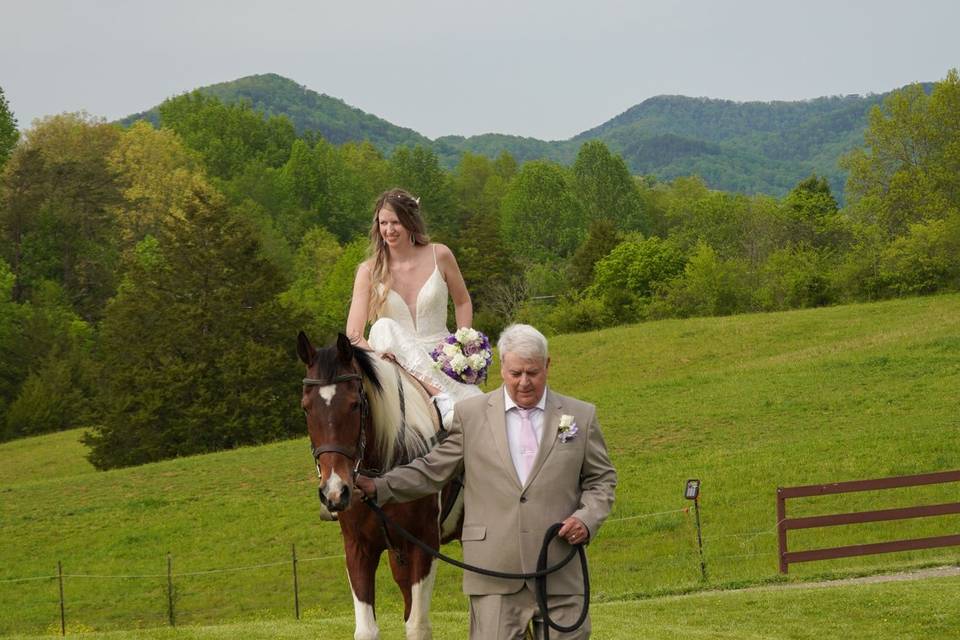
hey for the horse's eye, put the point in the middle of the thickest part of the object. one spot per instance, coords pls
(354, 406)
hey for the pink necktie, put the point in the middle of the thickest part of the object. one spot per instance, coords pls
(528, 441)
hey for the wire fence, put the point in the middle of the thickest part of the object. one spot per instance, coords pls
(700, 551)
(172, 577)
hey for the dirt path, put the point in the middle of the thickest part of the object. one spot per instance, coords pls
(946, 571)
(902, 576)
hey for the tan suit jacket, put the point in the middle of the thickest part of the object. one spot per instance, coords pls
(504, 522)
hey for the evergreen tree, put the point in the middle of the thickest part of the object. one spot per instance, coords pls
(602, 237)
(197, 349)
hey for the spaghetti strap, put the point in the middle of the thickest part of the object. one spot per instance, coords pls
(435, 254)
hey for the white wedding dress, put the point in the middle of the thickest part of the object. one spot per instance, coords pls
(410, 335)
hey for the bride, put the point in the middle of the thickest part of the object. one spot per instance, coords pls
(403, 288)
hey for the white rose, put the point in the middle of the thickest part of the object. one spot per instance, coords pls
(566, 421)
(477, 361)
(450, 350)
(472, 335)
(458, 363)
(461, 334)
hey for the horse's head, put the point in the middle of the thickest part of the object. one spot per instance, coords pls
(338, 415)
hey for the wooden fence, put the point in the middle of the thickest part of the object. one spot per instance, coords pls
(785, 524)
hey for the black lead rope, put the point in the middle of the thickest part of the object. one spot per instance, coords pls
(539, 576)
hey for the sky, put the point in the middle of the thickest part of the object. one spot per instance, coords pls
(547, 69)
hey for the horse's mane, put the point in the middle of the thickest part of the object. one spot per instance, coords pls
(395, 444)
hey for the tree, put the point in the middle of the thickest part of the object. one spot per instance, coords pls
(8, 129)
(227, 136)
(197, 350)
(606, 189)
(793, 278)
(909, 170)
(46, 371)
(57, 213)
(602, 237)
(418, 171)
(811, 208)
(541, 218)
(709, 286)
(154, 173)
(314, 262)
(492, 274)
(364, 174)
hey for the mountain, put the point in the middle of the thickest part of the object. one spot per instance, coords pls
(749, 147)
(331, 117)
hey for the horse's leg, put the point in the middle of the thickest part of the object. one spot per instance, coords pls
(362, 571)
(415, 577)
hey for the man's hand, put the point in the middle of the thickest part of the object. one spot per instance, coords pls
(366, 486)
(574, 531)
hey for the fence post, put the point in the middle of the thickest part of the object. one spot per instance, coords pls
(781, 529)
(170, 615)
(703, 563)
(296, 587)
(63, 617)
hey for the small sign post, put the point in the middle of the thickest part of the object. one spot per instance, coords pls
(692, 492)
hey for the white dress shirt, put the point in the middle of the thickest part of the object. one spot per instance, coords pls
(513, 429)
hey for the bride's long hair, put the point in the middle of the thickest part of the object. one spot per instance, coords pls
(407, 209)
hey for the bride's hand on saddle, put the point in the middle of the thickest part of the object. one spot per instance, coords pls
(366, 486)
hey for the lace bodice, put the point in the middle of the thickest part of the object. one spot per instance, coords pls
(411, 334)
(428, 319)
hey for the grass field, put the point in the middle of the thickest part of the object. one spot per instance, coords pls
(745, 403)
(904, 610)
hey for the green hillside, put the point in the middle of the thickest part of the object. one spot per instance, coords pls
(749, 147)
(331, 117)
(745, 403)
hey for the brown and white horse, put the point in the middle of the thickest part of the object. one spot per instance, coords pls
(363, 415)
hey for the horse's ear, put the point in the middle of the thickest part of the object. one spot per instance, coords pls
(304, 349)
(344, 350)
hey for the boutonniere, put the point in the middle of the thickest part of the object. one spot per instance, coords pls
(567, 430)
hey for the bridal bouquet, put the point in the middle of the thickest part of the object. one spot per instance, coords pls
(464, 356)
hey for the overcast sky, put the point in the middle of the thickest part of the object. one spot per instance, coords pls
(546, 68)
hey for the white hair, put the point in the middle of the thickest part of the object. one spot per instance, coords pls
(524, 341)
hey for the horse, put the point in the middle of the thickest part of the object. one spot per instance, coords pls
(365, 414)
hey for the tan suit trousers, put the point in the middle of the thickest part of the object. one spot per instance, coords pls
(505, 617)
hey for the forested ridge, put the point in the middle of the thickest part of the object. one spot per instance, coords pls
(748, 147)
(153, 276)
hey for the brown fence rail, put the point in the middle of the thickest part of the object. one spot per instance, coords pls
(785, 524)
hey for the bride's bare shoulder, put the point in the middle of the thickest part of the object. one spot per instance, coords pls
(443, 251)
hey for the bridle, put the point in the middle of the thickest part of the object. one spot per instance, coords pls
(359, 450)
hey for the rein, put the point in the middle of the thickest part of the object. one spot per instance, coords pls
(539, 576)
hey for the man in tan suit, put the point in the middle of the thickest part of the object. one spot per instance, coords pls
(531, 458)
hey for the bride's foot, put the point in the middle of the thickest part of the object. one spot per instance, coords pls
(445, 406)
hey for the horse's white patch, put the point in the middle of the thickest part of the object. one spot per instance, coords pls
(418, 624)
(327, 392)
(334, 486)
(365, 621)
